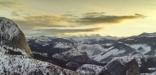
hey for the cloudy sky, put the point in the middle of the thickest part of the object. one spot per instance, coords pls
(81, 17)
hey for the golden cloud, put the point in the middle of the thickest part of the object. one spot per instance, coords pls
(44, 21)
(60, 24)
(94, 18)
(69, 29)
(70, 21)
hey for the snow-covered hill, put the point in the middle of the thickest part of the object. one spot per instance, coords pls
(20, 65)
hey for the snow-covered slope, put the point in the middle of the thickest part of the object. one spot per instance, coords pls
(88, 69)
(20, 65)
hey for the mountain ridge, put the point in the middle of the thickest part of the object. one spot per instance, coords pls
(99, 51)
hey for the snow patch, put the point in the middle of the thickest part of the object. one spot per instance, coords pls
(141, 48)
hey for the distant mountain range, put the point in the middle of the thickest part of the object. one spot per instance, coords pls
(72, 53)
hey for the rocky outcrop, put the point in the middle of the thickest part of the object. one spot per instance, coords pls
(12, 38)
(133, 68)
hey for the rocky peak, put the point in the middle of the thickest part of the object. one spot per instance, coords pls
(12, 38)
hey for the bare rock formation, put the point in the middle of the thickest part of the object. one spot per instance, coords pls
(12, 38)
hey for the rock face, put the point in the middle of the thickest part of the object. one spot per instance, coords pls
(14, 51)
(12, 38)
(132, 68)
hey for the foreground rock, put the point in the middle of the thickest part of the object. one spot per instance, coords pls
(12, 37)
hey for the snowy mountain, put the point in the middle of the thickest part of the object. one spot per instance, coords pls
(76, 52)
(144, 43)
